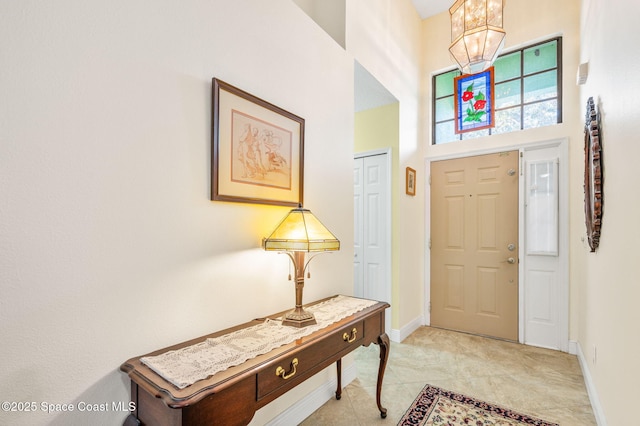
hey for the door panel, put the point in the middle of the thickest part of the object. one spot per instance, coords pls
(454, 282)
(474, 219)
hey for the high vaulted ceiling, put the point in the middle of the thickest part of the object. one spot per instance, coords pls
(369, 93)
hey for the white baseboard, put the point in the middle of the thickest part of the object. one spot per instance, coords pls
(399, 335)
(311, 402)
(591, 388)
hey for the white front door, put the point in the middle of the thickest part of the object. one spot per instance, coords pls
(372, 224)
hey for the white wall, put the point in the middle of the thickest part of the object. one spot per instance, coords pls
(609, 318)
(384, 37)
(109, 244)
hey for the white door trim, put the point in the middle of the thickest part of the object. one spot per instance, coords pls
(373, 152)
(563, 145)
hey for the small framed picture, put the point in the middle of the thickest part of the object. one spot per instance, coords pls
(257, 150)
(473, 99)
(411, 181)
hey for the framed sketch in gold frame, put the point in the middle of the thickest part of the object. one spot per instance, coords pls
(410, 183)
(257, 149)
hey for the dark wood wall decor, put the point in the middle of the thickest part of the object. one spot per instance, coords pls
(593, 200)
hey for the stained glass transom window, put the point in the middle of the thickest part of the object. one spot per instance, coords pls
(528, 93)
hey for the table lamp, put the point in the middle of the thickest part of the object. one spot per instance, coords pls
(298, 233)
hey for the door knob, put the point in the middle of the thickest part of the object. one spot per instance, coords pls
(511, 260)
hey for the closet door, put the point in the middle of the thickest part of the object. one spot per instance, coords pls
(372, 206)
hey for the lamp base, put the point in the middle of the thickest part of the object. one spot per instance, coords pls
(299, 318)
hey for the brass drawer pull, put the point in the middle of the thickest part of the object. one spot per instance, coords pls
(346, 338)
(280, 371)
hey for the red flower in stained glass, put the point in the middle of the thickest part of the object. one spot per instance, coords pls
(479, 104)
(467, 96)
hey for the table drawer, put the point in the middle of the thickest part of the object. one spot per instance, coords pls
(296, 367)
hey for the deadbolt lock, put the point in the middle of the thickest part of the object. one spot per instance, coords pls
(511, 247)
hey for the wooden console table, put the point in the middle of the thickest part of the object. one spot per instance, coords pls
(231, 397)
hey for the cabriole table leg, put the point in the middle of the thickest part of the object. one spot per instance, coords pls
(383, 342)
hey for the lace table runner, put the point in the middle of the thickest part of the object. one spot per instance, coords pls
(185, 366)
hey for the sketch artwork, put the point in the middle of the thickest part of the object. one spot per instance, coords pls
(260, 152)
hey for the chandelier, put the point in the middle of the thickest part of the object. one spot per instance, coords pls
(477, 36)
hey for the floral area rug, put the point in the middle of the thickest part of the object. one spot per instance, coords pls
(439, 407)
